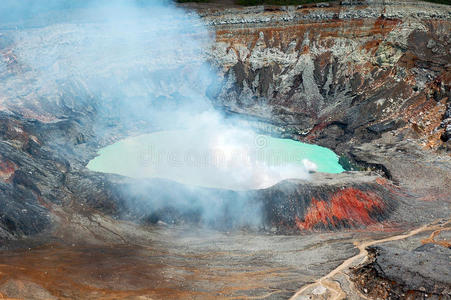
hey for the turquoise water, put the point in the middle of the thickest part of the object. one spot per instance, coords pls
(233, 159)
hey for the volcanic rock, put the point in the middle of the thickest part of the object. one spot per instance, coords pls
(396, 273)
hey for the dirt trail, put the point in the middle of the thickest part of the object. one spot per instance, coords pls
(432, 238)
(334, 288)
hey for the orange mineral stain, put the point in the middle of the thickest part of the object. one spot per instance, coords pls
(7, 169)
(350, 204)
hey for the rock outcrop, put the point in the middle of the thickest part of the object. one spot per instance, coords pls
(351, 72)
(394, 273)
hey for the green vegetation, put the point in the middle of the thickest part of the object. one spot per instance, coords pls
(289, 2)
(184, 1)
(278, 2)
(260, 2)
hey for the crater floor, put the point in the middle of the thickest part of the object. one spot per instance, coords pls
(171, 262)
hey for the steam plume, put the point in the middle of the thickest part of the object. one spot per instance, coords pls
(137, 62)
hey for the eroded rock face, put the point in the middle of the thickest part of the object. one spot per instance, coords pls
(352, 200)
(348, 72)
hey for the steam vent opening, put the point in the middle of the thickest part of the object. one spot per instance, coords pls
(232, 159)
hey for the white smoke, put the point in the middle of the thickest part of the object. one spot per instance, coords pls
(140, 61)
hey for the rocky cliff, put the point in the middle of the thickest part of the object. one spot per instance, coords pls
(351, 72)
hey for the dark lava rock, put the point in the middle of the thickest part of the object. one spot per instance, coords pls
(446, 123)
(385, 126)
(446, 136)
(23, 217)
(423, 273)
(35, 160)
